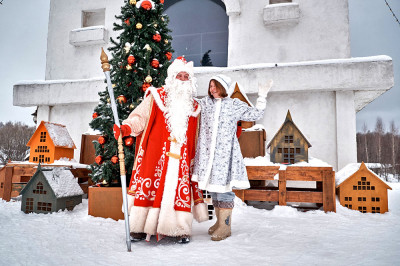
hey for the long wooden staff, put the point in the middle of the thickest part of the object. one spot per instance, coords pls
(106, 69)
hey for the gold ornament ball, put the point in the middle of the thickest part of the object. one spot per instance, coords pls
(131, 106)
(108, 100)
(139, 26)
(132, 2)
(114, 85)
(148, 79)
(155, 25)
(128, 67)
(166, 41)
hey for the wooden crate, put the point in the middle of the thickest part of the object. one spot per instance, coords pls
(88, 153)
(105, 202)
(252, 143)
(324, 176)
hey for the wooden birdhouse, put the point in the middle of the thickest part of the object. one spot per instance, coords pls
(362, 190)
(238, 94)
(50, 142)
(50, 190)
(289, 145)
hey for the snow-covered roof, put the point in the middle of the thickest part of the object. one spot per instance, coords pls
(63, 182)
(349, 170)
(59, 135)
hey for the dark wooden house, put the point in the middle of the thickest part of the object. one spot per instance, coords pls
(50, 190)
(289, 145)
(363, 190)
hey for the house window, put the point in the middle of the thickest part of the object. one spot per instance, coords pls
(95, 17)
(47, 159)
(298, 150)
(346, 198)
(29, 205)
(363, 178)
(39, 189)
(359, 198)
(43, 206)
(288, 139)
(42, 136)
(377, 199)
(354, 187)
(35, 159)
(350, 198)
(362, 209)
(350, 206)
(210, 32)
(69, 205)
(372, 187)
(2, 185)
(288, 155)
(279, 150)
(41, 158)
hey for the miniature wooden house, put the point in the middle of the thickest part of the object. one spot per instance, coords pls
(51, 190)
(363, 191)
(50, 142)
(252, 142)
(289, 145)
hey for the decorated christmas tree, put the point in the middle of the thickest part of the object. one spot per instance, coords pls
(141, 55)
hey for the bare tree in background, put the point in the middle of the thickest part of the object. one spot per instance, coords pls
(365, 130)
(393, 129)
(13, 140)
(379, 131)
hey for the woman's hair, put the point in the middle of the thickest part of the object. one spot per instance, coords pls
(221, 89)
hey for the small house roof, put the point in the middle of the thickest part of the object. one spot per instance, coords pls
(350, 170)
(236, 89)
(288, 119)
(58, 134)
(62, 182)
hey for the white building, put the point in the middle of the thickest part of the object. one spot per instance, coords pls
(303, 45)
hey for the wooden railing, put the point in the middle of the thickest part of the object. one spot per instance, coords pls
(324, 193)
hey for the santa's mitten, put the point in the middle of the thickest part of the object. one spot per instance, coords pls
(131, 200)
(125, 129)
(200, 212)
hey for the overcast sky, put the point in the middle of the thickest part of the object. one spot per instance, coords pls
(23, 33)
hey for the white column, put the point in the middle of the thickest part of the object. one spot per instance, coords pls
(345, 129)
(43, 114)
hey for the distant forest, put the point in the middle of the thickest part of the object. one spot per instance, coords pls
(380, 146)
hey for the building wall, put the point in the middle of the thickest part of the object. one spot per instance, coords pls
(316, 35)
(64, 60)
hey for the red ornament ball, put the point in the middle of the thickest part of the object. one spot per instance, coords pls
(157, 37)
(95, 115)
(128, 141)
(162, 1)
(155, 63)
(127, 22)
(114, 159)
(146, 5)
(131, 59)
(99, 159)
(145, 86)
(121, 99)
(168, 55)
(101, 140)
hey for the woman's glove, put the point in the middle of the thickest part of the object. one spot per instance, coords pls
(263, 90)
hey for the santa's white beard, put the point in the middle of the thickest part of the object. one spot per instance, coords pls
(179, 104)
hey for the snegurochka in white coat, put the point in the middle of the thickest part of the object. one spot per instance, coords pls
(219, 164)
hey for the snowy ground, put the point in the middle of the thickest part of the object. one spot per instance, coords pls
(282, 236)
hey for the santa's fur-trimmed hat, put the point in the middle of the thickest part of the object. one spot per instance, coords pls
(180, 65)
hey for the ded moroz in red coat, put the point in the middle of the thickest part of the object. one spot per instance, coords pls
(161, 183)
